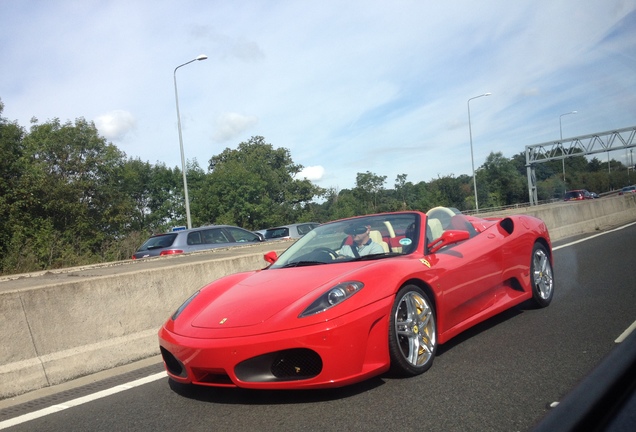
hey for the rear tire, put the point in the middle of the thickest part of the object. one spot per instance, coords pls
(412, 332)
(541, 276)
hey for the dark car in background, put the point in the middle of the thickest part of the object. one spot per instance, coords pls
(289, 231)
(577, 195)
(195, 239)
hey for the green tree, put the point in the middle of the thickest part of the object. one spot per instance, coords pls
(595, 165)
(254, 186)
(368, 188)
(11, 149)
(409, 196)
(67, 199)
(421, 197)
(339, 205)
(502, 181)
(449, 191)
(156, 193)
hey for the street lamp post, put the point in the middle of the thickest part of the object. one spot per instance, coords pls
(183, 163)
(561, 135)
(472, 158)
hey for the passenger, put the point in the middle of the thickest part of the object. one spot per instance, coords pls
(361, 243)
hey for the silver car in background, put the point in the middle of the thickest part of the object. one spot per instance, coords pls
(195, 239)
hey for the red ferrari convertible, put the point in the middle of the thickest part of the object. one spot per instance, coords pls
(356, 297)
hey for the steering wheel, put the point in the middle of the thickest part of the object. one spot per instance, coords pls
(332, 253)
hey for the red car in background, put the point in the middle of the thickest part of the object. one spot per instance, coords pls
(316, 317)
(576, 195)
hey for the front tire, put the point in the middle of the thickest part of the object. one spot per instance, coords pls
(412, 332)
(541, 276)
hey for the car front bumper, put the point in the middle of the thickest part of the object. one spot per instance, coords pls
(334, 353)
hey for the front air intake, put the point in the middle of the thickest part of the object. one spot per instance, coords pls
(287, 365)
(296, 364)
(173, 365)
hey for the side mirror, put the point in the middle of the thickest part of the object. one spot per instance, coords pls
(260, 236)
(270, 257)
(448, 238)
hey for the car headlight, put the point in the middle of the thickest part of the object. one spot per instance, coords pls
(184, 305)
(332, 297)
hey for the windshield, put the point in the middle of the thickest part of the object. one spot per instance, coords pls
(158, 241)
(362, 238)
(276, 233)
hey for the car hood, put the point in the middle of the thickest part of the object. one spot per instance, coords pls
(264, 294)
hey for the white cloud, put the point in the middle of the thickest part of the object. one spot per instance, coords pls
(115, 124)
(231, 125)
(312, 173)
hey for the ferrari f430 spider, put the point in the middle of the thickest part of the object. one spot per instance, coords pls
(357, 297)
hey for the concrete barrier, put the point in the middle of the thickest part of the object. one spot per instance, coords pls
(56, 331)
(65, 330)
(567, 219)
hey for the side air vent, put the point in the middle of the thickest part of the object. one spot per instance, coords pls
(508, 225)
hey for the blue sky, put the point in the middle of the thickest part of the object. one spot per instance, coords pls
(347, 86)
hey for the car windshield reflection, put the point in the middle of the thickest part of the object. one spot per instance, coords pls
(356, 239)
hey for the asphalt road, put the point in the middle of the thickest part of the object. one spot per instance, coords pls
(499, 376)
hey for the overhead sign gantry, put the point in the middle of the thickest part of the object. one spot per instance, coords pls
(578, 146)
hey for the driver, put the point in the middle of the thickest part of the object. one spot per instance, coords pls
(361, 243)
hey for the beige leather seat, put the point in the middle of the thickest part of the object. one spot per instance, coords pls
(377, 237)
(435, 227)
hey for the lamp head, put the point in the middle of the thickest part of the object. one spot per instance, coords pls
(201, 57)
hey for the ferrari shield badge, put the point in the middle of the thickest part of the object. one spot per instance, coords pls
(425, 262)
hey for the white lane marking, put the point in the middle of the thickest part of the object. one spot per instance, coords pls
(626, 333)
(594, 236)
(632, 327)
(79, 401)
(620, 339)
